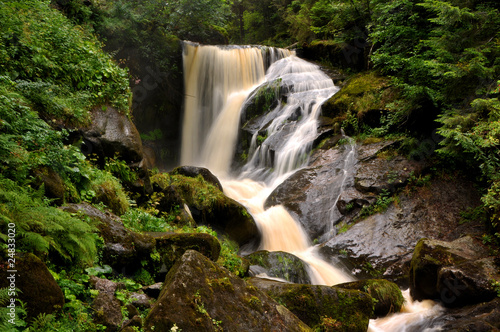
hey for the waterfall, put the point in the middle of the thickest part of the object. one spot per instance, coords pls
(218, 81)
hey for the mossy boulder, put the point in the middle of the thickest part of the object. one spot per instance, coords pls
(279, 264)
(39, 290)
(320, 306)
(456, 273)
(386, 295)
(199, 295)
(123, 249)
(360, 101)
(172, 246)
(193, 172)
(209, 206)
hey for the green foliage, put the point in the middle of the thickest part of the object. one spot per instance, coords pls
(57, 66)
(384, 199)
(141, 221)
(43, 229)
(19, 311)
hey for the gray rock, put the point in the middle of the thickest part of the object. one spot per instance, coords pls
(111, 132)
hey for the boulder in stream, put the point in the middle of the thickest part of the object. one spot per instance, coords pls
(199, 295)
(457, 273)
(322, 307)
(386, 294)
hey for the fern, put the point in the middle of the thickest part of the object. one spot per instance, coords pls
(43, 229)
(20, 313)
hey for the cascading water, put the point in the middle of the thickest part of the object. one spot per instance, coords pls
(218, 81)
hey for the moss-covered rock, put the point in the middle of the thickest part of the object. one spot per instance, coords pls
(322, 306)
(282, 265)
(456, 273)
(209, 206)
(39, 290)
(386, 294)
(172, 246)
(199, 295)
(193, 172)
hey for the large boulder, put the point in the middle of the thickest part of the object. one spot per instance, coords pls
(39, 290)
(172, 246)
(321, 306)
(111, 133)
(386, 294)
(123, 249)
(483, 317)
(199, 295)
(279, 264)
(193, 171)
(457, 273)
(208, 205)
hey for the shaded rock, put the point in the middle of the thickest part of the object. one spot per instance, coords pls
(193, 171)
(112, 133)
(105, 285)
(382, 244)
(453, 272)
(141, 301)
(107, 311)
(123, 249)
(39, 290)
(484, 317)
(53, 184)
(132, 325)
(209, 206)
(172, 246)
(387, 295)
(315, 305)
(154, 290)
(280, 264)
(199, 295)
(378, 174)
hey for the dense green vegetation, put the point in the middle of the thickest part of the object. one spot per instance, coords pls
(432, 68)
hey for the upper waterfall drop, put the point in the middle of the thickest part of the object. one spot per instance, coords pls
(217, 82)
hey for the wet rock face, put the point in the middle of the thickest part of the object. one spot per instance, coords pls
(484, 317)
(311, 194)
(319, 306)
(198, 295)
(383, 243)
(456, 273)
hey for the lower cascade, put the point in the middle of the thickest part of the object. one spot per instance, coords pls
(220, 82)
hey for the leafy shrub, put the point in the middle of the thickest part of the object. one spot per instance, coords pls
(58, 66)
